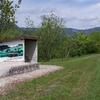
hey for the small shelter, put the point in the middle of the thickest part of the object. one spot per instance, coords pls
(22, 49)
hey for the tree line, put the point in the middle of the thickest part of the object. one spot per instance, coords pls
(55, 43)
(53, 40)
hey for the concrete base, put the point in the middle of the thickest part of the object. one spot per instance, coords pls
(12, 68)
(8, 82)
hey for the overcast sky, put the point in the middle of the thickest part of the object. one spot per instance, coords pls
(80, 14)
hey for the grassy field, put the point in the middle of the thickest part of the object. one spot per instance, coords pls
(79, 80)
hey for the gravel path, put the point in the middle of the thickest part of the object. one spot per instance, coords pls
(8, 81)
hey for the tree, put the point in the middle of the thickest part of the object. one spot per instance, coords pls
(7, 14)
(82, 44)
(8, 28)
(65, 47)
(29, 23)
(95, 37)
(29, 26)
(51, 36)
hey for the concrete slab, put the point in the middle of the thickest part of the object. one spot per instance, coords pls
(8, 82)
(5, 66)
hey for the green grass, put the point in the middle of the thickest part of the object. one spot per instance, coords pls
(79, 80)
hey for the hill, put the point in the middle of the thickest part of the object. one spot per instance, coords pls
(69, 31)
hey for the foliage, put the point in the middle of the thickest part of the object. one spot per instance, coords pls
(8, 28)
(29, 23)
(7, 14)
(10, 34)
(29, 26)
(82, 44)
(54, 43)
(95, 37)
(51, 36)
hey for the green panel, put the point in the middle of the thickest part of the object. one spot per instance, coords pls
(15, 51)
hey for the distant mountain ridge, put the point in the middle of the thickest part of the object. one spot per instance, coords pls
(69, 31)
(86, 31)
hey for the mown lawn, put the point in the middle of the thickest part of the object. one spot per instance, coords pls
(79, 80)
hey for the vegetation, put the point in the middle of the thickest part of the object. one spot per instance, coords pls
(82, 44)
(51, 35)
(55, 43)
(7, 14)
(7, 19)
(79, 80)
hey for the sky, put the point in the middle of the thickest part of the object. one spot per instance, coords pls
(79, 14)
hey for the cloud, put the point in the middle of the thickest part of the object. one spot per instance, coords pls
(77, 14)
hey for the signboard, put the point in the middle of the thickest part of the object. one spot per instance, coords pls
(11, 51)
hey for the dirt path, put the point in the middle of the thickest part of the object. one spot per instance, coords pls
(10, 81)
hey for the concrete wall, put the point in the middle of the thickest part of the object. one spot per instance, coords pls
(29, 48)
(10, 53)
(31, 51)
